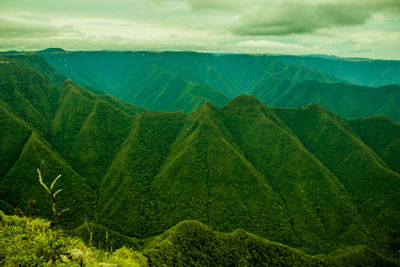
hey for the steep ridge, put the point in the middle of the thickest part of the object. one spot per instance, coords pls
(30, 109)
(351, 101)
(160, 90)
(248, 70)
(28, 94)
(298, 176)
(127, 201)
(143, 78)
(360, 71)
(357, 167)
(83, 126)
(383, 136)
(304, 184)
(164, 81)
(205, 177)
(20, 183)
(37, 63)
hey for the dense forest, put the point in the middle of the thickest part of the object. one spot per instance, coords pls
(231, 181)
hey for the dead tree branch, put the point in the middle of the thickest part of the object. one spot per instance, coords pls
(52, 195)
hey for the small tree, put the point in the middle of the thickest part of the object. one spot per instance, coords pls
(90, 228)
(52, 195)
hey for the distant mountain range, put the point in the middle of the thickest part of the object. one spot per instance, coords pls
(304, 176)
(173, 81)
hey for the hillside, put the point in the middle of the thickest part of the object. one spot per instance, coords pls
(304, 177)
(193, 244)
(360, 71)
(25, 241)
(383, 136)
(349, 101)
(181, 81)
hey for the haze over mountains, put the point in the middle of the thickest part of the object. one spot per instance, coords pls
(302, 176)
(174, 81)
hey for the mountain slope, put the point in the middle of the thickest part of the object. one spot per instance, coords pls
(194, 244)
(174, 81)
(350, 101)
(347, 156)
(29, 106)
(365, 72)
(302, 177)
(160, 90)
(25, 241)
(304, 184)
(37, 63)
(383, 136)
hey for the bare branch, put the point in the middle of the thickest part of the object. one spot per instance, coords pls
(41, 181)
(64, 210)
(52, 196)
(54, 182)
(58, 191)
(42, 167)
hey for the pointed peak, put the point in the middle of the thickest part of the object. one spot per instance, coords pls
(245, 100)
(318, 107)
(69, 82)
(206, 106)
(205, 111)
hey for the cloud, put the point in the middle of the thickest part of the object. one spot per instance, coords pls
(306, 17)
(221, 5)
(245, 26)
(22, 27)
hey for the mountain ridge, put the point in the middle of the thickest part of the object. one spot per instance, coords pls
(244, 165)
(275, 80)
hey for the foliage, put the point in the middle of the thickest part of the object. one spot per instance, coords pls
(303, 177)
(355, 70)
(172, 81)
(30, 242)
(191, 243)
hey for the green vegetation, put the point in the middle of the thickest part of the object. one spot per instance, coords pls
(304, 177)
(29, 242)
(191, 243)
(350, 101)
(360, 71)
(172, 81)
(383, 136)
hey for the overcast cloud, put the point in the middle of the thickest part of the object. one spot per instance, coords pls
(298, 17)
(358, 28)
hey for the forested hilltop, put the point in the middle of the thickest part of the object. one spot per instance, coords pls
(28, 242)
(304, 177)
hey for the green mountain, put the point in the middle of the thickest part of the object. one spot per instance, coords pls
(32, 115)
(193, 244)
(360, 71)
(26, 242)
(383, 136)
(304, 177)
(350, 101)
(173, 81)
(37, 63)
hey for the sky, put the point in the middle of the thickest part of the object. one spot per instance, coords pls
(356, 28)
